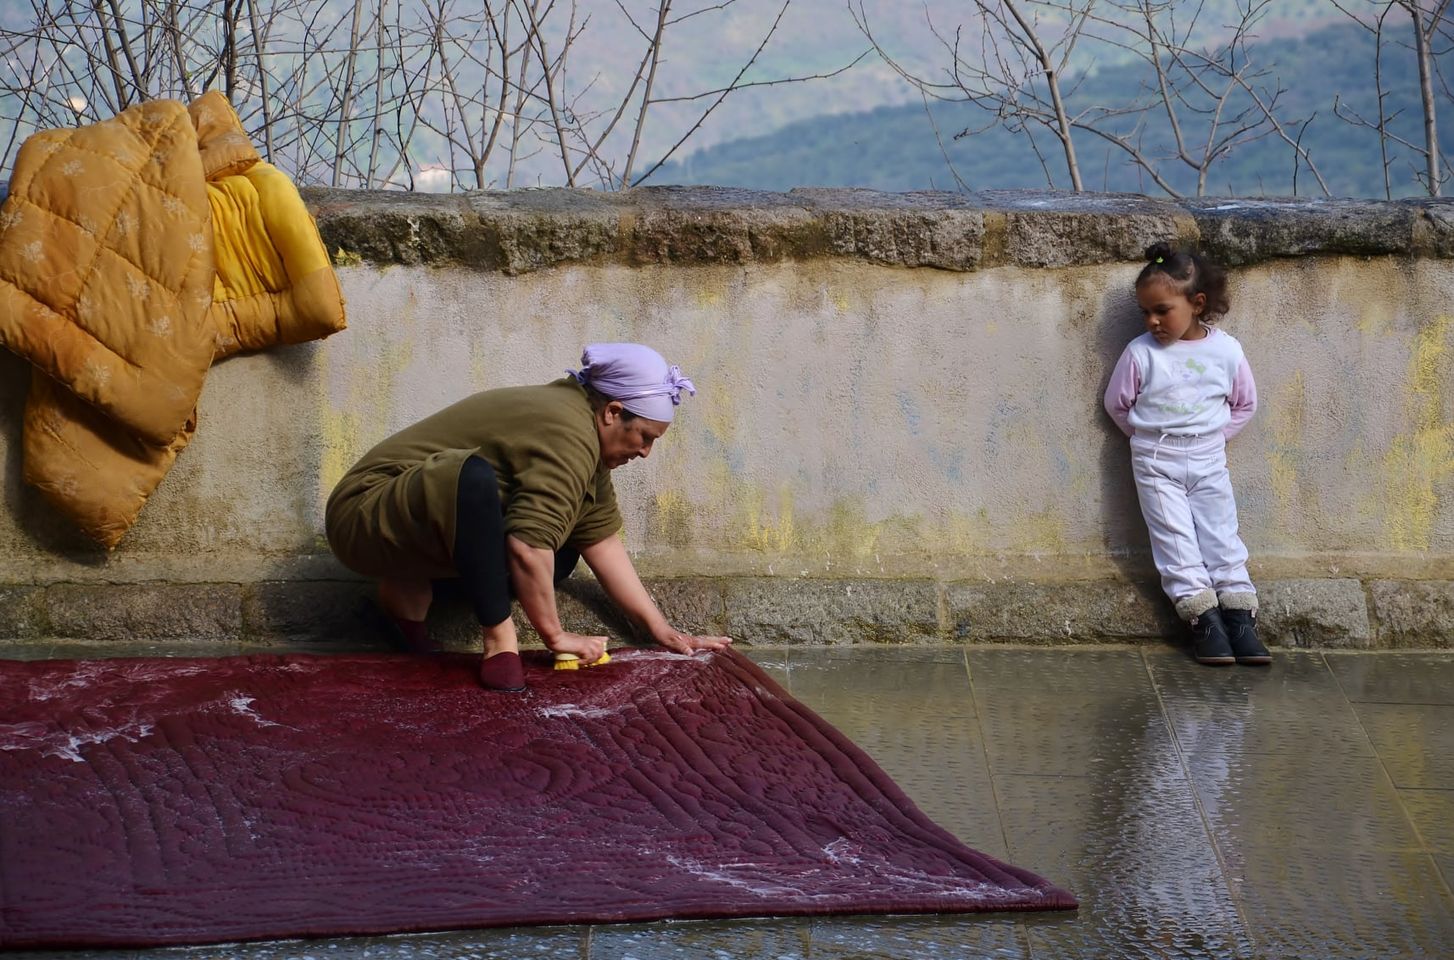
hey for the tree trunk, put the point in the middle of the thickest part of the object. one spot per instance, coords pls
(1426, 97)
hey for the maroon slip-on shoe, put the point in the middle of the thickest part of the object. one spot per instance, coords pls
(503, 672)
(412, 636)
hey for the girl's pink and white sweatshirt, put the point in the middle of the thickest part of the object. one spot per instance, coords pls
(1186, 388)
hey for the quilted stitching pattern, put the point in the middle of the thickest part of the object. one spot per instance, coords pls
(108, 228)
(273, 796)
(116, 282)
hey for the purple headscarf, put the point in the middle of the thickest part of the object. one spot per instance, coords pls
(637, 376)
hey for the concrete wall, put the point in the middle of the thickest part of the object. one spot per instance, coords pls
(898, 436)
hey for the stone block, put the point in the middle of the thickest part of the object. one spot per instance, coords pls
(332, 609)
(1413, 613)
(1069, 612)
(1061, 230)
(453, 626)
(722, 236)
(1244, 230)
(535, 229)
(580, 603)
(695, 605)
(945, 241)
(924, 229)
(408, 228)
(197, 612)
(1434, 231)
(21, 612)
(761, 610)
(1314, 613)
(584, 608)
(518, 231)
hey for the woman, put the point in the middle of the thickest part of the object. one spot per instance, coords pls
(505, 490)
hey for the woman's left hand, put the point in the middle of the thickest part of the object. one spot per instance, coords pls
(679, 642)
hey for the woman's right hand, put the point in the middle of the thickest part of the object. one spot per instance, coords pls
(587, 648)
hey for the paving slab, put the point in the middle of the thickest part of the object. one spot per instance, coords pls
(1394, 677)
(917, 718)
(768, 939)
(773, 662)
(1341, 801)
(991, 936)
(1414, 740)
(1345, 905)
(533, 943)
(1299, 811)
(1290, 707)
(1445, 863)
(1076, 672)
(1432, 814)
(38, 650)
(1132, 847)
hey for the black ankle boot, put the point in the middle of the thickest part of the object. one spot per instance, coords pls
(1210, 644)
(1242, 634)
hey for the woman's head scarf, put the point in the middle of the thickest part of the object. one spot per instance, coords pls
(635, 375)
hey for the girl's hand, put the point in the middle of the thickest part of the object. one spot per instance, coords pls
(587, 648)
(679, 642)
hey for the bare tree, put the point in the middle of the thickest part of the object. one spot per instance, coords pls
(1431, 23)
(1220, 96)
(1014, 73)
(407, 94)
(1198, 105)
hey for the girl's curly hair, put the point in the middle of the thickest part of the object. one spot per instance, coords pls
(1189, 274)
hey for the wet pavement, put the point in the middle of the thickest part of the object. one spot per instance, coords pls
(1304, 810)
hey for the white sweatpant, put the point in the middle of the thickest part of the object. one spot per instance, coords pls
(1186, 498)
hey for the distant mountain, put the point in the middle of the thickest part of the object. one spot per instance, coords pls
(895, 147)
(705, 47)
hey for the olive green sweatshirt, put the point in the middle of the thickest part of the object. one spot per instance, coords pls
(393, 514)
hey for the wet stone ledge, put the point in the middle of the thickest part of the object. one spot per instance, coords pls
(760, 611)
(520, 231)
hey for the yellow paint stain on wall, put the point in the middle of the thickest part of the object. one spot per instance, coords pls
(339, 435)
(1039, 531)
(1375, 318)
(369, 400)
(1424, 455)
(721, 416)
(847, 532)
(843, 533)
(1287, 417)
(964, 533)
(769, 532)
(670, 520)
(728, 515)
(479, 367)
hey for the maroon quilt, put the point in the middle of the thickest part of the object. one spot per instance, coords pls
(156, 801)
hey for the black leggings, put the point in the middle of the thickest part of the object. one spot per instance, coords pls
(479, 544)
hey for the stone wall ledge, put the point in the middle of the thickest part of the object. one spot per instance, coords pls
(523, 230)
(761, 611)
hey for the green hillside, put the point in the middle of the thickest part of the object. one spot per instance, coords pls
(894, 147)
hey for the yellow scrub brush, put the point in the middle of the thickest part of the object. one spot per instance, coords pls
(569, 661)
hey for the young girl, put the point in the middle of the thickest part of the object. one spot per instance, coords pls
(1180, 391)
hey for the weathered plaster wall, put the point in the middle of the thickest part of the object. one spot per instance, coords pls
(900, 389)
(858, 420)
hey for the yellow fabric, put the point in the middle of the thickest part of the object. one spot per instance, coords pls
(274, 283)
(222, 144)
(89, 470)
(230, 265)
